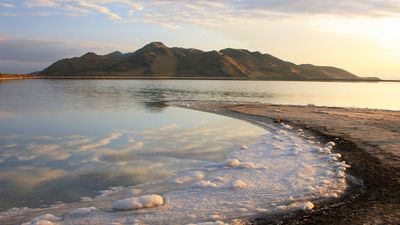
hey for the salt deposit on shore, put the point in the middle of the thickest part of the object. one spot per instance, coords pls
(281, 172)
(46, 219)
(145, 201)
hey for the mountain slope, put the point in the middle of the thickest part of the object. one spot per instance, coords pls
(155, 60)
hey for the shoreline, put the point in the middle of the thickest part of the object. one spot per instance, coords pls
(375, 200)
(375, 161)
(41, 77)
(16, 77)
(65, 212)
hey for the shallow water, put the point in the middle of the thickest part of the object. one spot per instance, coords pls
(61, 140)
(126, 94)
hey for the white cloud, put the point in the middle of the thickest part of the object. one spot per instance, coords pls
(10, 14)
(6, 5)
(42, 3)
(98, 8)
(82, 7)
(172, 13)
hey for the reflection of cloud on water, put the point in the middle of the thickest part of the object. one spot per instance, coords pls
(197, 143)
(173, 126)
(5, 114)
(33, 186)
(49, 151)
(11, 145)
(76, 141)
(126, 153)
(102, 142)
(29, 176)
(123, 157)
(42, 138)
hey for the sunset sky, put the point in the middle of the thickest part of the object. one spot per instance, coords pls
(362, 36)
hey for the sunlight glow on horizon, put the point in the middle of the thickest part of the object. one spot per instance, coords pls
(383, 31)
(359, 36)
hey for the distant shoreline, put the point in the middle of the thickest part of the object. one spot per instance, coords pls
(16, 76)
(27, 76)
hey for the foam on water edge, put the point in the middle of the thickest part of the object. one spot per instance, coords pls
(283, 171)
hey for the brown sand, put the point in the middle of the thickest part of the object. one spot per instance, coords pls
(369, 141)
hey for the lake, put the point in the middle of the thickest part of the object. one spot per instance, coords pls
(66, 140)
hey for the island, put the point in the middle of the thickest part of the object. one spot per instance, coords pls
(157, 61)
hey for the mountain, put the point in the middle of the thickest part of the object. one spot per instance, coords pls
(155, 60)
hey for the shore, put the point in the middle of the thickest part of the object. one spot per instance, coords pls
(129, 77)
(368, 139)
(16, 76)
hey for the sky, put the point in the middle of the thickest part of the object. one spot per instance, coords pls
(361, 36)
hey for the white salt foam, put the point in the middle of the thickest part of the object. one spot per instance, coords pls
(244, 147)
(145, 201)
(282, 164)
(83, 210)
(46, 219)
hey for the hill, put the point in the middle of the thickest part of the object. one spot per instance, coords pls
(155, 60)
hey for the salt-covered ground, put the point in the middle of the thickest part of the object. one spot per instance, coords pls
(283, 171)
(367, 138)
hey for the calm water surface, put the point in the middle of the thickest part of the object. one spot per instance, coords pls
(64, 139)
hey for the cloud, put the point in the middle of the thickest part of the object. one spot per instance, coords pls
(42, 3)
(10, 14)
(22, 55)
(383, 32)
(327, 7)
(32, 50)
(28, 55)
(97, 8)
(6, 5)
(173, 13)
(81, 7)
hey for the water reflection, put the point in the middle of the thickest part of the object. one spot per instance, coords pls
(88, 135)
(35, 170)
(129, 94)
(155, 106)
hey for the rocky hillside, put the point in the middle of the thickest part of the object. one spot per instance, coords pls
(156, 60)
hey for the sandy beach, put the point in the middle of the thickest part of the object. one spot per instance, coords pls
(368, 139)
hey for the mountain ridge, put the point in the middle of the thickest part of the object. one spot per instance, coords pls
(156, 60)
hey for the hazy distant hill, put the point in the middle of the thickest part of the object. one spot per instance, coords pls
(156, 60)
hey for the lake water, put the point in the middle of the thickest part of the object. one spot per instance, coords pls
(61, 140)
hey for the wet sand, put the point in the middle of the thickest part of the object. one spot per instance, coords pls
(369, 141)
